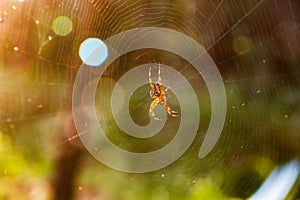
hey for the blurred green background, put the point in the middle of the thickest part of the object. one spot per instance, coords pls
(255, 45)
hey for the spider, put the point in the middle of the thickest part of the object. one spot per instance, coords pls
(157, 92)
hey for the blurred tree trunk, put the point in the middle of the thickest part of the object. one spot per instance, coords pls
(67, 162)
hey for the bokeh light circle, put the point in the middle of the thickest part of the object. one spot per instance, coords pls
(86, 121)
(62, 25)
(93, 51)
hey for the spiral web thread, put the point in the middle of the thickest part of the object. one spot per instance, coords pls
(268, 27)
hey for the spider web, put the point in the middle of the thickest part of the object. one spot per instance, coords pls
(254, 43)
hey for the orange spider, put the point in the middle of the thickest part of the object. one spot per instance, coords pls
(157, 92)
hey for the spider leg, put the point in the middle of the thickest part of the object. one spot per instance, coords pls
(150, 80)
(167, 89)
(169, 110)
(159, 72)
(152, 106)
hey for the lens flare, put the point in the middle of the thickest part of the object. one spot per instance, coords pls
(62, 25)
(279, 183)
(93, 51)
(242, 45)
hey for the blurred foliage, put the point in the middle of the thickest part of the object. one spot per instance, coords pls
(21, 177)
